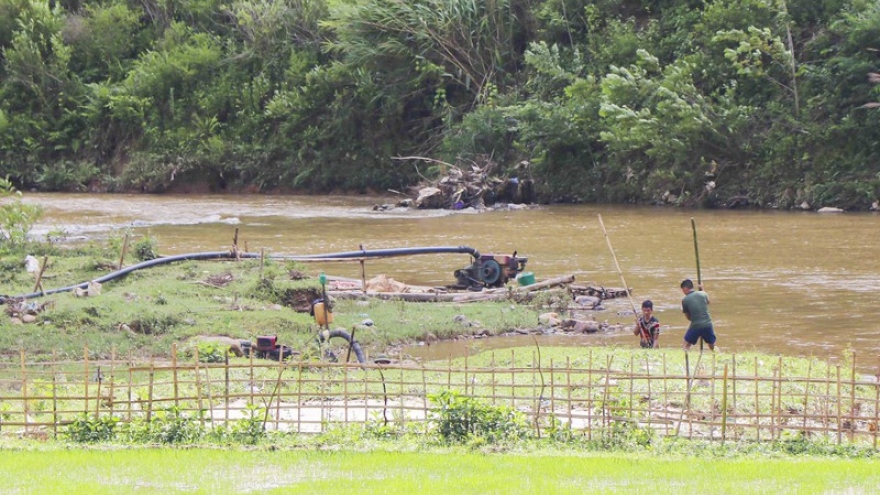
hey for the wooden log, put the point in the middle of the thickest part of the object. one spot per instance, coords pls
(546, 284)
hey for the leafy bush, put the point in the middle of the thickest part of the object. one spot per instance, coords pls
(146, 248)
(16, 217)
(90, 430)
(167, 426)
(460, 419)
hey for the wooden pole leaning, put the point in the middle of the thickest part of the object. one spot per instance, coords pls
(617, 265)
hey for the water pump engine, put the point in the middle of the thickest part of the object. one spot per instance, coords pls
(489, 270)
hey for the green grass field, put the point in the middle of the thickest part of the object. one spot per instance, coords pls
(170, 471)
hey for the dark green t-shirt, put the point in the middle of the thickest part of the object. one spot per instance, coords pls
(696, 304)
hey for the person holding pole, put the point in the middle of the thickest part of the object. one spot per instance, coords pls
(695, 306)
(648, 327)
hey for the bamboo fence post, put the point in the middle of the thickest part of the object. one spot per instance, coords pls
(86, 379)
(367, 398)
(199, 386)
(568, 389)
(363, 276)
(262, 262)
(54, 395)
(39, 283)
(776, 402)
(712, 390)
(299, 382)
(226, 386)
(876, 406)
(425, 396)
(723, 407)
(24, 388)
(235, 245)
(648, 394)
(590, 395)
(826, 411)
(278, 393)
(757, 404)
(112, 379)
(449, 373)
(512, 379)
(534, 394)
(552, 388)
(494, 367)
(733, 382)
(632, 369)
(665, 395)
(209, 386)
(807, 392)
(130, 384)
(465, 379)
(150, 393)
(174, 372)
(402, 399)
(852, 399)
(322, 393)
(773, 407)
(98, 378)
(252, 384)
(839, 408)
(605, 420)
(122, 252)
(345, 392)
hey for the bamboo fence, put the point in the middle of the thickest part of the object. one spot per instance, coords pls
(721, 401)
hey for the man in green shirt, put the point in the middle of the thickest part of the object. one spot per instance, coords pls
(695, 306)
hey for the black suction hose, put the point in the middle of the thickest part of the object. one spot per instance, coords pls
(212, 255)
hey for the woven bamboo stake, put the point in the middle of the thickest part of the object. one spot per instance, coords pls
(150, 393)
(55, 395)
(757, 404)
(122, 252)
(852, 398)
(209, 386)
(568, 387)
(590, 395)
(24, 388)
(86, 379)
(665, 395)
(876, 406)
(807, 392)
(512, 379)
(130, 385)
(112, 379)
(839, 409)
(631, 383)
(733, 384)
(425, 395)
(226, 386)
(174, 372)
(723, 407)
(98, 378)
(199, 387)
(299, 375)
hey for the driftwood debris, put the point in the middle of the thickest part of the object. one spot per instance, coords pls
(473, 185)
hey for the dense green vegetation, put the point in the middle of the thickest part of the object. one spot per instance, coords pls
(759, 102)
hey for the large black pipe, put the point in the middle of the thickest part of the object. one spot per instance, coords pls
(211, 255)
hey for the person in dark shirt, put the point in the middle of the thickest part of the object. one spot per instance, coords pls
(695, 306)
(647, 327)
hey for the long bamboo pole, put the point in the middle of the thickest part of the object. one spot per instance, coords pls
(617, 265)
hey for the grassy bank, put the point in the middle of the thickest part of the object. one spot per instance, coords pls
(146, 311)
(440, 471)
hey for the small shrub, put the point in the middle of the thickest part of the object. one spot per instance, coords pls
(91, 430)
(460, 419)
(146, 248)
(168, 426)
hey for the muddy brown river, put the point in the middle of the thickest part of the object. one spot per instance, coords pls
(798, 283)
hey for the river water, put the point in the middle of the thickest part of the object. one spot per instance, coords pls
(796, 283)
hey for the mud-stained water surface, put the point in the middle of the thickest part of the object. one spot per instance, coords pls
(796, 283)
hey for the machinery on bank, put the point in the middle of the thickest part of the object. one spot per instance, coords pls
(489, 270)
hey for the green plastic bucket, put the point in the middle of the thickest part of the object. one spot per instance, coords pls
(526, 278)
